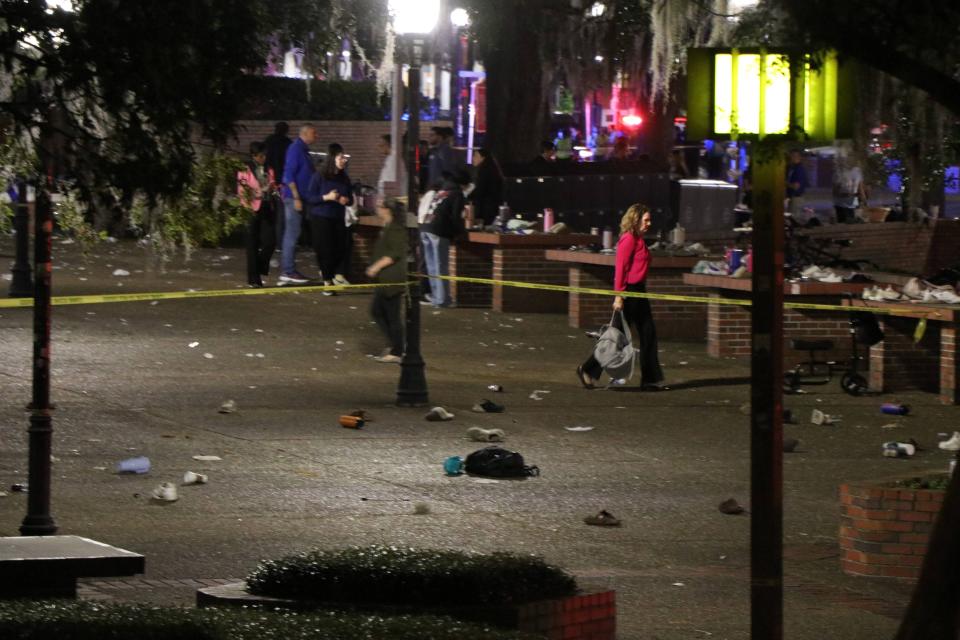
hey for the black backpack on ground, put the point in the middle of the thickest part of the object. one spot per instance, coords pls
(499, 463)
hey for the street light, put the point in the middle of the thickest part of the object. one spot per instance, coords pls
(767, 96)
(413, 20)
(460, 18)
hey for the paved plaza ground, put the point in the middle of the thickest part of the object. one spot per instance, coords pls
(127, 383)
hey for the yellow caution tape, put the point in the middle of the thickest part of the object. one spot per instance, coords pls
(180, 295)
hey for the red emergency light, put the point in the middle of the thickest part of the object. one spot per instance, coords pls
(632, 121)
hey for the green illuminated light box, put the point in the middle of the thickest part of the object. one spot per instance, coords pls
(754, 93)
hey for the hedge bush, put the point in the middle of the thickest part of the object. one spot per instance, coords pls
(272, 98)
(401, 576)
(69, 620)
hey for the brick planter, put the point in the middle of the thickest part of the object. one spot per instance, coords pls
(884, 531)
(589, 616)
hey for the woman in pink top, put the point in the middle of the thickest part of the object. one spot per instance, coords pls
(256, 186)
(633, 261)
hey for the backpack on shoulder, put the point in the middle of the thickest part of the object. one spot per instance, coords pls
(497, 462)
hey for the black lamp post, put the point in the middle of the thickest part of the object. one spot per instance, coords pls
(412, 21)
(38, 521)
(21, 285)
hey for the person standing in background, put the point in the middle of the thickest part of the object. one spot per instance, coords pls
(440, 158)
(487, 192)
(297, 172)
(275, 147)
(849, 193)
(256, 187)
(797, 182)
(389, 267)
(328, 196)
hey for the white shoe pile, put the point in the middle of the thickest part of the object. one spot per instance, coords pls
(923, 291)
(883, 295)
(814, 272)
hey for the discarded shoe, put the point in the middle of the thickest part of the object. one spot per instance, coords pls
(165, 492)
(603, 518)
(953, 444)
(486, 435)
(191, 477)
(487, 407)
(731, 507)
(819, 418)
(495, 387)
(438, 414)
(229, 406)
(898, 449)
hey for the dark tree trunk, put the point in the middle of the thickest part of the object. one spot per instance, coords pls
(518, 80)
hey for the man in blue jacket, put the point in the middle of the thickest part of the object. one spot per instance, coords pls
(297, 172)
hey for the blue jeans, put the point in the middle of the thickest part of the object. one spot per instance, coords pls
(291, 233)
(436, 255)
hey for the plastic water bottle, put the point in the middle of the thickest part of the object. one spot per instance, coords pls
(608, 238)
(453, 466)
(547, 219)
(895, 409)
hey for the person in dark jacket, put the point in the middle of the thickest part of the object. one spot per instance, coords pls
(487, 192)
(328, 196)
(389, 267)
(275, 146)
(442, 224)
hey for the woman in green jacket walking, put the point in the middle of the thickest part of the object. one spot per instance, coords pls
(389, 267)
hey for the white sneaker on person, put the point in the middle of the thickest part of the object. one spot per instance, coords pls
(339, 279)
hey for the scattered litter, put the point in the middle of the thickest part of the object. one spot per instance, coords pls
(603, 518)
(579, 428)
(518, 319)
(731, 507)
(790, 445)
(19, 488)
(259, 355)
(487, 406)
(485, 481)
(164, 492)
(486, 435)
(121, 272)
(537, 394)
(438, 414)
(194, 344)
(952, 444)
(895, 409)
(354, 308)
(351, 422)
(191, 477)
(362, 414)
(619, 407)
(3, 494)
(228, 406)
(258, 330)
(820, 418)
(99, 468)
(891, 425)
(495, 387)
(249, 355)
(683, 362)
(339, 341)
(453, 466)
(138, 465)
(208, 356)
(745, 408)
(678, 584)
(205, 458)
(491, 364)
(898, 449)
(421, 509)
(154, 303)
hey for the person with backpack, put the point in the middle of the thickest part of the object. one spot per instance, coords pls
(632, 264)
(441, 225)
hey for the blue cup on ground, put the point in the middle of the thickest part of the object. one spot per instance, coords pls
(453, 466)
(140, 465)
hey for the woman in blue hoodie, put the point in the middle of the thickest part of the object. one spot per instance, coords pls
(329, 195)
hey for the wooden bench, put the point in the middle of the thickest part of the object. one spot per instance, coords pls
(48, 566)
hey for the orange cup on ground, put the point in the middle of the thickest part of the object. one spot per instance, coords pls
(351, 422)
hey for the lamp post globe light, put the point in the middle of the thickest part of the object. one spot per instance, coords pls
(413, 20)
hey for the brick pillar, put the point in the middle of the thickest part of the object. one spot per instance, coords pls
(472, 260)
(675, 319)
(949, 363)
(364, 237)
(728, 328)
(586, 310)
(899, 363)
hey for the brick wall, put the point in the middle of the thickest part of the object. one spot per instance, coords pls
(472, 260)
(359, 139)
(884, 532)
(729, 329)
(528, 264)
(949, 364)
(673, 319)
(584, 617)
(899, 362)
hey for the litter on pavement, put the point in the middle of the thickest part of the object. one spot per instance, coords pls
(165, 492)
(820, 418)
(138, 465)
(205, 458)
(439, 414)
(191, 477)
(486, 435)
(228, 406)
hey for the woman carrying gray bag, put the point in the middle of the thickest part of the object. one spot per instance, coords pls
(633, 262)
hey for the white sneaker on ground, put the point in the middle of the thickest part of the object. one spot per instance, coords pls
(389, 359)
(830, 277)
(953, 444)
(889, 293)
(946, 295)
(811, 271)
